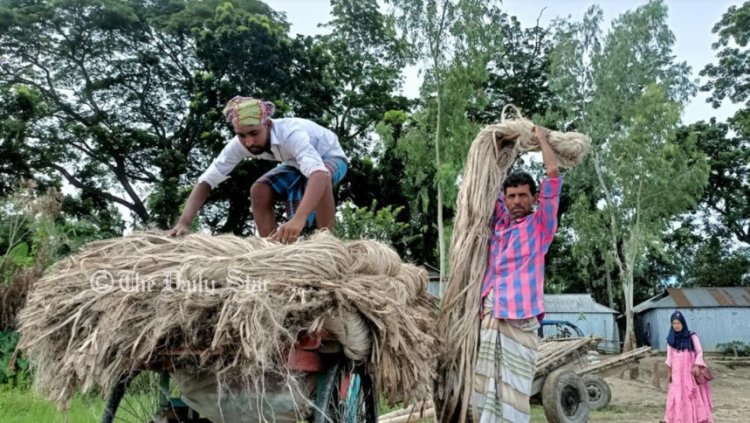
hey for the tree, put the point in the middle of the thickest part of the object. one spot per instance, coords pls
(366, 56)
(518, 70)
(730, 78)
(716, 265)
(428, 30)
(372, 222)
(19, 107)
(366, 59)
(711, 242)
(626, 93)
(729, 185)
(718, 228)
(454, 41)
(133, 92)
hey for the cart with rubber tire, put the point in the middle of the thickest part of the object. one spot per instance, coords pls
(344, 393)
(556, 384)
(593, 375)
(567, 385)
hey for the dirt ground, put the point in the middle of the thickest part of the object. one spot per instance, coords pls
(635, 401)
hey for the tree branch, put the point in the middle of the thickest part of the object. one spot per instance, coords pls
(612, 219)
(80, 185)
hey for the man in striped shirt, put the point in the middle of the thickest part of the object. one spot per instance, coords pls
(513, 292)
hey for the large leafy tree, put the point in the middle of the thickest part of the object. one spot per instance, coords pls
(725, 208)
(626, 93)
(19, 107)
(728, 195)
(366, 59)
(454, 42)
(518, 70)
(133, 89)
(709, 245)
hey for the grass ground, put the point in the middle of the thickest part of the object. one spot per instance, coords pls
(24, 406)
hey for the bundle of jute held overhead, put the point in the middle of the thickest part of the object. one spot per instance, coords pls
(240, 302)
(489, 159)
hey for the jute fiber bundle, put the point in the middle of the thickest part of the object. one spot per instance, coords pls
(239, 302)
(487, 165)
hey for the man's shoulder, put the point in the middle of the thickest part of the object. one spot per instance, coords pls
(292, 123)
(285, 128)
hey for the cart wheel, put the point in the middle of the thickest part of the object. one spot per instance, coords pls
(565, 398)
(346, 396)
(599, 392)
(145, 397)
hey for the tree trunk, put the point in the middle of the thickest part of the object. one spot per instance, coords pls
(441, 229)
(629, 343)
(610, 291)
(435, 52)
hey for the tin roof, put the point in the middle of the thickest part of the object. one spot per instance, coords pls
(574, 303)
(697, 298)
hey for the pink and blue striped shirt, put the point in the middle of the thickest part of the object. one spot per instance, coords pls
(516, 261)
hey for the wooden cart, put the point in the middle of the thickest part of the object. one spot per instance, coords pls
(568, 384)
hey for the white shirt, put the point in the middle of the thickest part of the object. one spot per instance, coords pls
(300, 143)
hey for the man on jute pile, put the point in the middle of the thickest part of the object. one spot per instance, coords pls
(312, 164)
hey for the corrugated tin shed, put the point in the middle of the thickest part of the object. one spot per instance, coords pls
(574, 303)
(717, 315)
(591, 317)
(697, 298)
(433, 275)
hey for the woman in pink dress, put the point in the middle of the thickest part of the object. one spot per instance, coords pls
(687, 401)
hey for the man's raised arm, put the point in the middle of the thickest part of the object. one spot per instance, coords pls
(548, 156)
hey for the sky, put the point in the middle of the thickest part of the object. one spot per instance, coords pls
(690, 20)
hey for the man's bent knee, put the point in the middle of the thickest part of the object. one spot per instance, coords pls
(261, 193)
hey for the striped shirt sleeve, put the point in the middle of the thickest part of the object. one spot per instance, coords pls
(501, 210)
(546, 214)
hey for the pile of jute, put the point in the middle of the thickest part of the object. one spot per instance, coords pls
(488, 162)
(238, 303)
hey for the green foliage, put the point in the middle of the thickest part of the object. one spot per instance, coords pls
(19, 255)
(734, 348)
(729, 187)
(704, 246)
(380, 224)
(455, 41)
(714, 264)
(626, 92)
(727, 195)
(518, 71)
(19, 106)
(19, 377)
(27, 220)
(35, 231)
(367, 57)
(730, 78)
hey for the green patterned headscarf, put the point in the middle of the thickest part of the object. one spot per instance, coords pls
(248, 111)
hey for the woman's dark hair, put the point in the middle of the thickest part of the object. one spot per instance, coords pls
(519, 178)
